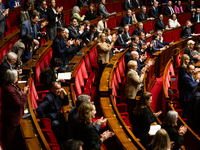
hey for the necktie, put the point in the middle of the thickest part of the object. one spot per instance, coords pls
(104, 25)
(127, 34)
(92, 36)
(189, 32)
(142, 15)
(129, 22)
(155, 10)
(121, 39)
(198, 20)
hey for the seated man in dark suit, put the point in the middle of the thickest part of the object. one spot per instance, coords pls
(196, 16)
(13, 3)
(126, 19)
(128, 4)
(126, 36)
(92, 34)
(168, 10)
(153, 11)
(159, 25)
(150, 2)
(74, 31)
(120, 41)
(51, 106)
(7, 64)
(157, 46)
(63, 49)
(140, 28)
(137, 4)
(142, 15)
(161, 39)
(49, 74)
(135, 39)
(190, 7)
(186, 30)
(42, 9)
(188, 85)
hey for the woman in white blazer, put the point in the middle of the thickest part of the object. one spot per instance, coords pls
(173, 22)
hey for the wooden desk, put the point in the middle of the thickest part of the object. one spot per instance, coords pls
(33, 144)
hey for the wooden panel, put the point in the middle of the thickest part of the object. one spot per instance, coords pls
(27, 128)
(32, 144)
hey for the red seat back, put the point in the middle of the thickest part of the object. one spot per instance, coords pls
(33, 95)
(168, 37)
(112, 22)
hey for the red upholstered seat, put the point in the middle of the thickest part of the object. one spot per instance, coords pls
(197, 28)
(65, 5)
(126, 120)
(131, 29)
(45, 123)
(118, 6)
(183, 18)
(109, 7)
(49, 136)
(176, 35)
(148, 26)
(93, 58)
(168, 37)
(112, 22)
(96, 118)
(165, 19)
(3, 52)
(33, 95)
(121, 68)
(118, 19)
(83, 11)
(67, 17)
(72, 3)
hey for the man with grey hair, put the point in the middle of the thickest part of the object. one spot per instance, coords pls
(7, 64)
(102, 9)
(142, 15)
(140, 27)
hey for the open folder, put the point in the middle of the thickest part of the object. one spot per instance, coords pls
(154, 129)
(65, 76)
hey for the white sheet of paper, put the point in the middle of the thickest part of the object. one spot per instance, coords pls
(154, 129)
(22, 81)
(65, 76)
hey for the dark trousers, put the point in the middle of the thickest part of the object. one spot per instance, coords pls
(10, 137)
(131, 103)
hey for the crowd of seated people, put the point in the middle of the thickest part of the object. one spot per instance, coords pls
(68, 40)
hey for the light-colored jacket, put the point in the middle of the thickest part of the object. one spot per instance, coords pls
(79, 18)
(134, 20)
(100, 26)
(103, 52)
(172, 23)
(133, 82)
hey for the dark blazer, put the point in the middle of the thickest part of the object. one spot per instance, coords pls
(142, 122)
(125, 37)
(97, 1)
(159, 25)
(164, 43)
(140, 65)
(81, 3)
(119, 42)
(152, 12)
(136, 31)
(150, 1)
(51, 17)
(127, 58)
(3, 68)
(167, 11)
(188, 85)
(184, 32)
(188, 7)
(88, 35)
(127, 5)
(182, 71)
(90, 16)
(47, 75)
(89, 136)
(141, 17)
(11, 3)
(26, 29)
(157, 47)
(74, 34)
(51, 106)
(174, 136)
(43, 14)
(187, 51)
(12, 107)
(126, 20)
(194, 17)
(135, 4)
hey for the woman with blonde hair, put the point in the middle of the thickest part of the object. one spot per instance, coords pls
(76, 14)
(103, 49)
(189, 50)
(87, 132)
(170, 121)
(161, 141)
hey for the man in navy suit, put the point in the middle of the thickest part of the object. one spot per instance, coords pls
(126, 19)
(62, 49)
(51, 105)
(168, 10)
(120, 41)
(126, 36)
(92, 34)
(159, 24)
(13, 3)
(157, 45)
(30, 27)
(140, 28)
(188, 85)
(153, 11)
(42, 9)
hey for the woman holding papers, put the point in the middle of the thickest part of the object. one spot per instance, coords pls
(143, 118)
(49, 74)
